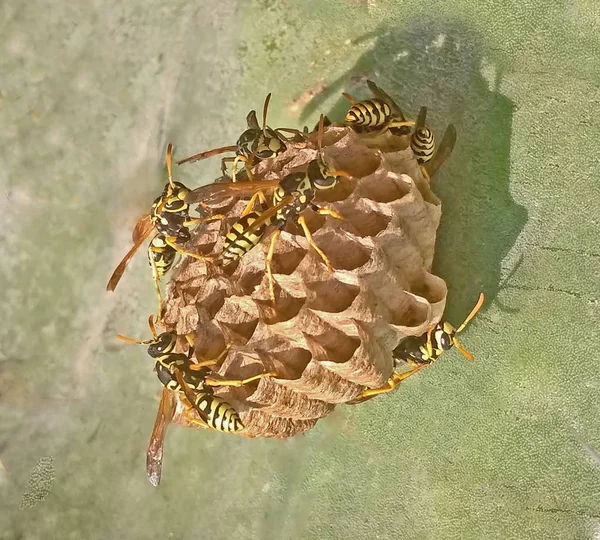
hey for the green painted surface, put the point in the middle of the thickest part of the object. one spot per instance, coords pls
(502, 448)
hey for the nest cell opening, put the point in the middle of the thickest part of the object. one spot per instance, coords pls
(333, 345)
(431, 287)
(291, 363)
(288, 255)
(331, 296)
(409, 311)
(366, 222)
(286, 307)
(344, 252)
(384, 190)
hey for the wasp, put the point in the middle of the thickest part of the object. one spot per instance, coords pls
(378, 114)
(422, 143)
(254, 145)
(169, 220)
(292, 195)
(422, 351)
(179, 374)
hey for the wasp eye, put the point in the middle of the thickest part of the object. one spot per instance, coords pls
(446, 341)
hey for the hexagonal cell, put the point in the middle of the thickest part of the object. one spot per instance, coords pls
(291, 363)
(331, 296)
(332, 345)
(384, 189)
(365, 221)
(343, 249)
(358, 161)
(288, 255)
(286, 308)
(409, 311)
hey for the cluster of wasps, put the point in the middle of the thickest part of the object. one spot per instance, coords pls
(168, 226)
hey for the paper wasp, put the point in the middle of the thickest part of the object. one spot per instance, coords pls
(422, 143)
(254, 145)
(377, 114)
(292, 195)
(169, 220)
(179, 374)
(422, 351)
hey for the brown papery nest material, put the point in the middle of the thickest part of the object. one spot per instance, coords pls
(331, 334)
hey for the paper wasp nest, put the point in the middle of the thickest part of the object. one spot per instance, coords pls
(330, 334)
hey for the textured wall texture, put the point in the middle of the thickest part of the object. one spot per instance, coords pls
(91, 92)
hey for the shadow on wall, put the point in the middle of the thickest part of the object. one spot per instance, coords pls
(442, 65)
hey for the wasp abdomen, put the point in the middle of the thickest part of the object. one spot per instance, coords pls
(217, 413)
(369, 113)
(240, 240)
(423, 144)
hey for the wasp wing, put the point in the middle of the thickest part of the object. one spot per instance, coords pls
(381, 94)
(265, 217)
(213, 193)
(443, 152)
(154, 455)
(421, 118)
(119, 270)
(207, 154)
(142, 228)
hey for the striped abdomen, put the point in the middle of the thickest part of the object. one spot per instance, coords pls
(423, 144)
(217, 413)
(240, 240)
(369, 113)
(161, 256)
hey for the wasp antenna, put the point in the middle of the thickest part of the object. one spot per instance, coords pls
(152, 327)
(170, 163)
(131, 340)
(349, 98)
(320, 134)
(265, 109)
(472, 314)
(464, 352)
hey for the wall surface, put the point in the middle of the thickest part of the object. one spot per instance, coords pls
(504, 448)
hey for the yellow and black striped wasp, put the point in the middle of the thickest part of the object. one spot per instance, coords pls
(378, 114)
(254, 145)
(169, 220)
(292, 195)
(179, 374)
(422, 143)
(422, 351)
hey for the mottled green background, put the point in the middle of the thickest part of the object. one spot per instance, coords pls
(503, 448)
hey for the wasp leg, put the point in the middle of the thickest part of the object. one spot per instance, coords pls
(425, 174)
(326, 211)
(393, 381)
(224, 161)
(400, 123)
(193, 221)
(169, 241)
(198, 365)
(190, 339)
(250, 206)
(194, 420)
(238, 382)
(296, 132)
(349, 98)
(429, 345)
(309, 238)
(268, 261)
(247, 166)
(156, 279)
